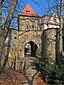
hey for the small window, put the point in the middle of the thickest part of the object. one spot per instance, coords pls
(15, 37)
(32, 26)
(28, 12)
(54, 17)
(27, 26)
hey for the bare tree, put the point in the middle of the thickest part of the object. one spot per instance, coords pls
(4, 32)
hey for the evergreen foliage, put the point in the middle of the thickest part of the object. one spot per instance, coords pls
(53, 74)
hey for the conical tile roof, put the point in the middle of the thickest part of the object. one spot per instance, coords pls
(28, 11)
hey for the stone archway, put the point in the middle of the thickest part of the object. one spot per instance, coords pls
(30, 48)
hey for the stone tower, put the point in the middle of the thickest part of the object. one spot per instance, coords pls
(29, 32)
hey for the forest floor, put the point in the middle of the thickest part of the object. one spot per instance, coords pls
(13, 77)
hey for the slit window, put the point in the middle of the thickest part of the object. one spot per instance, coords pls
(27, 26)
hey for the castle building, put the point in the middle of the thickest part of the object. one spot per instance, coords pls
(28, 37)
(31, 27)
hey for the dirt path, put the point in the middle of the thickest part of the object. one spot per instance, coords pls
(30, 70)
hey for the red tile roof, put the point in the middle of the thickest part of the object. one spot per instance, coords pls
(28, 11)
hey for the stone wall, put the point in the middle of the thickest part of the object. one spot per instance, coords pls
(49, 42)
(34, 36)
(29, 30)
(11, 46)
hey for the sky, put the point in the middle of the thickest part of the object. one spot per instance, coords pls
(41, 7)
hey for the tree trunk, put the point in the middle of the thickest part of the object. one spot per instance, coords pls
(4, 32)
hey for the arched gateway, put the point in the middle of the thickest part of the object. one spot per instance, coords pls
(30, 48)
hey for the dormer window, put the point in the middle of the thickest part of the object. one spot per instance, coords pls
(28, 12)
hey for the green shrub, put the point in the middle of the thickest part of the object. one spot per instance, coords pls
(51, 73)
(54, 75)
